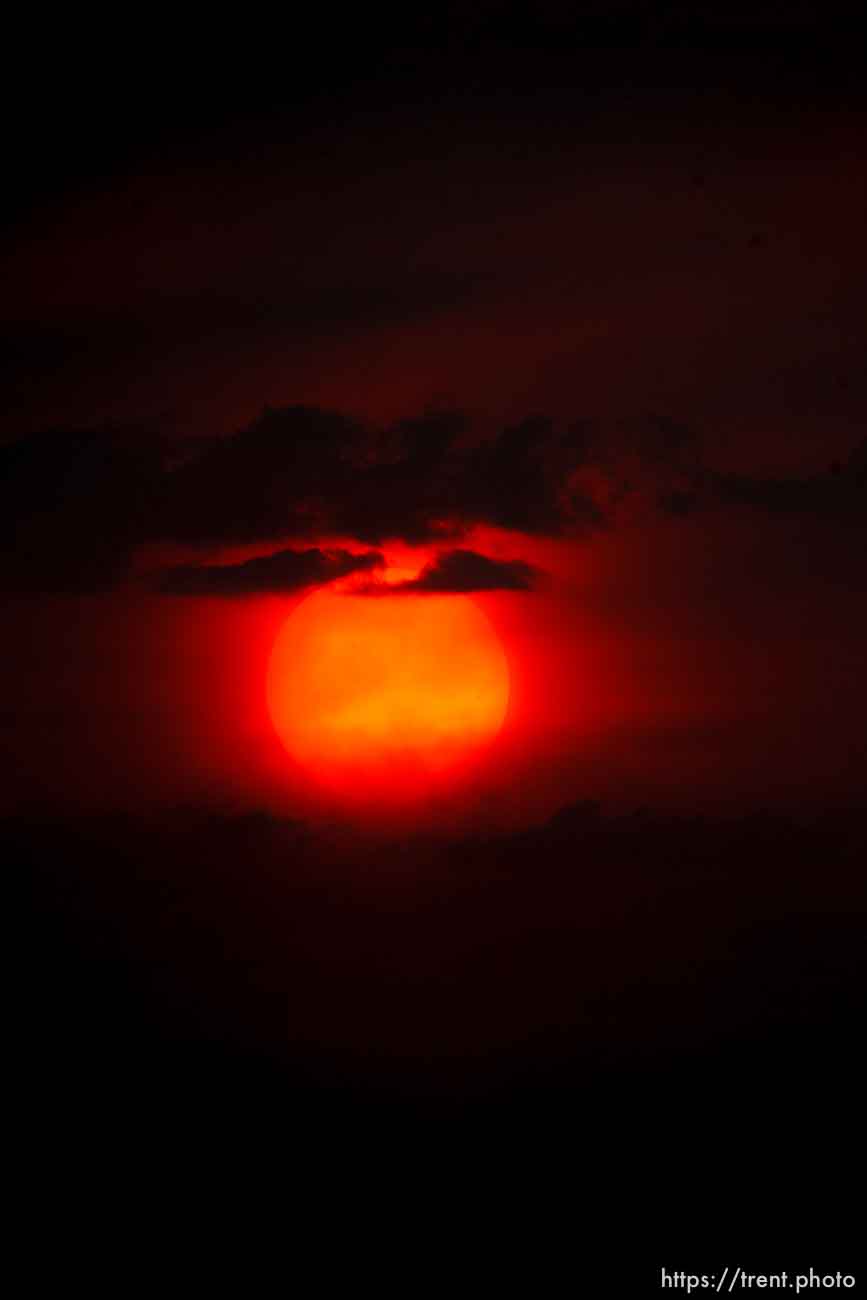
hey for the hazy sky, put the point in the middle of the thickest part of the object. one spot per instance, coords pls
(648, 233)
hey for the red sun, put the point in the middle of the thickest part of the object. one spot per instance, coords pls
(386, 695)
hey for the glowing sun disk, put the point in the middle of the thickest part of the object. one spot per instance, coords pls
(395, 684)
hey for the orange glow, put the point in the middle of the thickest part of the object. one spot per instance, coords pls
(379, 696)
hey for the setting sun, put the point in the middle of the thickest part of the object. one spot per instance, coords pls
(391, 689)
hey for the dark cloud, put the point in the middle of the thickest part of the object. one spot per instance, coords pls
(299, 471)
(837, 495)
(282, 572)
(462, 570)
(280, 477)
(75, 506)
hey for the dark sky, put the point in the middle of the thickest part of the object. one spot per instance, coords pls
(560, 305)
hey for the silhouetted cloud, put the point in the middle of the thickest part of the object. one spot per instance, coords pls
(283, 571)
(838, 494)
(461, 570)
(303, 472)
(75, 506)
